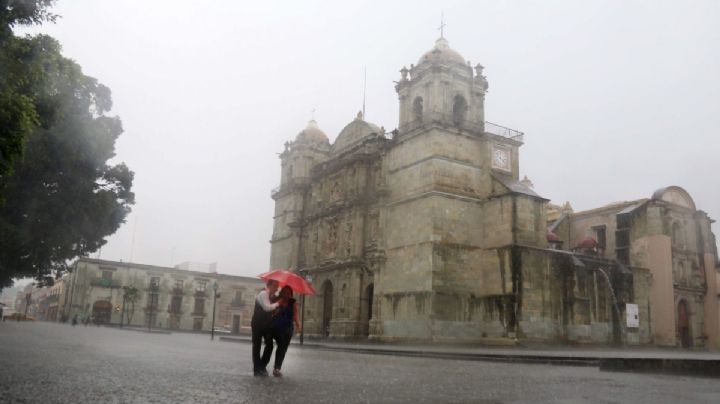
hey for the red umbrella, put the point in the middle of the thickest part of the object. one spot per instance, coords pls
(286, 278)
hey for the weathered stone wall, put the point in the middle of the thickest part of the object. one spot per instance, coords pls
(497, 217)
(541, 301)
(581, 226)
(531, 223)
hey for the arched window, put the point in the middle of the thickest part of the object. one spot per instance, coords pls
(418, 107)
(459, 109)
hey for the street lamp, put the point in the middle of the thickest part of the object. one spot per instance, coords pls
(215, 296)
(122, 314)
(27, 304)
(302, 316)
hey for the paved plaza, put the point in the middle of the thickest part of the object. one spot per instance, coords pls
(58, 363)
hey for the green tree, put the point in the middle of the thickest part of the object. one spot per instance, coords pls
(63, 198)
(130, 295)
(21, 78)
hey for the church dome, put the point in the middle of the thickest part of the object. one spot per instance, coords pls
(441, 53)
(311, 134)
(354, 132)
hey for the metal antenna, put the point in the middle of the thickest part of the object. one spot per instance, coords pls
(364, 89)
(132, 243)
(442, 25)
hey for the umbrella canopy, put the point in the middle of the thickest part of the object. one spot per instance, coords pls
(286, 278)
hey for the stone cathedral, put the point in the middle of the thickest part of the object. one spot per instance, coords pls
(427, 233)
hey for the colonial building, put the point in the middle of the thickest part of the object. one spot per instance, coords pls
(169, 298)
(428, 233)
(667, 234)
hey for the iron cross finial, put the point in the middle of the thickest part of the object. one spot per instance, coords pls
(442, 25)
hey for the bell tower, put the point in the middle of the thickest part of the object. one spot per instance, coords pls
(311, 146)
(442, 88)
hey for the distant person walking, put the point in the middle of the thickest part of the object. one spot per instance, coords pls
(260, 326)
(282, 326)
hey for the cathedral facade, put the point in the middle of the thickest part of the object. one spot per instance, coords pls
(427, 233)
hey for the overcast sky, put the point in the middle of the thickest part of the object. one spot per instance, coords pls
(616, 99)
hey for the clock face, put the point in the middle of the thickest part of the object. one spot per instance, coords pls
(501, 158)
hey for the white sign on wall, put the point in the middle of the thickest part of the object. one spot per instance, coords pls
(632, 314)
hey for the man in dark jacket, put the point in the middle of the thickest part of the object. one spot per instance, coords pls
(260, 325)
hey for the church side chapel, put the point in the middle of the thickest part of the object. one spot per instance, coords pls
(427, 233)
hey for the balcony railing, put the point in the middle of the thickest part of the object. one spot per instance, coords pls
(449, 119)
(499, 130)
(177, 291)
(237, 303)
(105, 283)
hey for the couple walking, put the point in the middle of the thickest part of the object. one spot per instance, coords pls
(273, 319)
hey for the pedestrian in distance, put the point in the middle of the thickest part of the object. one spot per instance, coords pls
(261, 330)
(75, 320)
(284, 322)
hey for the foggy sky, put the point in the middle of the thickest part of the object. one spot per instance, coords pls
(616, 99)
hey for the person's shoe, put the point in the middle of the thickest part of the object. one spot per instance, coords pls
(260, 372)
(277, 373)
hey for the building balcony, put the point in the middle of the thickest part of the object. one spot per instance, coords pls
(201, 293)
(177, 291)
(237, 303)
(197, 314)
(105, 283)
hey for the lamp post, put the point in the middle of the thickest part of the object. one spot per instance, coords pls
(150, 311)
(215, 296)
(302, 315)
(122, 313)
(27, 304)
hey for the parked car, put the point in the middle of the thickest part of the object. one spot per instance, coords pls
(224, 330)
(18, 317)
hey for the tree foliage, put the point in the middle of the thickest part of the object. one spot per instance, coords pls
(130, 295)
(21, 78)
(62, 197)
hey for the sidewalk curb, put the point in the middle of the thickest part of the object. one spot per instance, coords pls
(688, 367)
(536, 359)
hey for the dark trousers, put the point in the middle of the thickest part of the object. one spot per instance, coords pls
(282, 337)
(258, 335)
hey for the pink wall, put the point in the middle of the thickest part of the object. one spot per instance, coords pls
(659, 259)
(712, 316)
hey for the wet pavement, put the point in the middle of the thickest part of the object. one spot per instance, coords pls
(45, 362)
